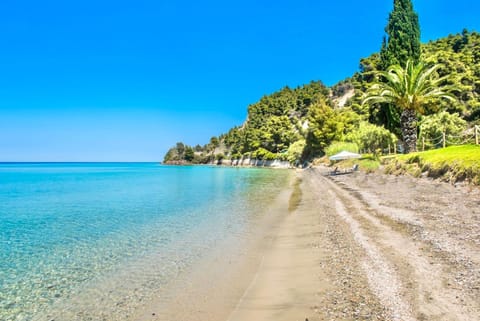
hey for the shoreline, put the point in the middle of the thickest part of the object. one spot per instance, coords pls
(360, 246)
(243, 163)
(186, 272)
(211, 289)
(371, 247)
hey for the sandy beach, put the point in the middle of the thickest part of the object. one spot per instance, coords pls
(349, 247)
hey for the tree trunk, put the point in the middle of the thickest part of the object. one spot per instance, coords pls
(408, 122)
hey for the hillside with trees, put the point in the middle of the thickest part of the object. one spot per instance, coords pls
(457, 55)
(298, 124)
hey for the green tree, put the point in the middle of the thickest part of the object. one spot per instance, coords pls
(402, 43)
(214, 142)
(170, 155)
(189, 154)
(279, 133)
(324, 128)
(410, 89)
(180, 150)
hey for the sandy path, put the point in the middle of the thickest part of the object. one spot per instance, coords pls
(371, 247)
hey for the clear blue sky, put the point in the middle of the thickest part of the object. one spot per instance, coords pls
(125, 80)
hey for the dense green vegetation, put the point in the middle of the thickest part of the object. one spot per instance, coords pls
(433, 127)
(299, 124)
(458, 56)
(409, 89)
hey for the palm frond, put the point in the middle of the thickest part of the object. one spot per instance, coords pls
(410, 87)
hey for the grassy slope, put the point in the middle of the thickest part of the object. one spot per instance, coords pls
(456, 163)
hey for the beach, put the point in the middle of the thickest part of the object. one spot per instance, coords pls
(351, 247)
(107, 241)
(254, 244)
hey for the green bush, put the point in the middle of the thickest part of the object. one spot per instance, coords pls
(369, 165)
(295, 151)
(432, 129)
(372, 138)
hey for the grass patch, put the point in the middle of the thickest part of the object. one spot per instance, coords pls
(368, 163)
(453, 164)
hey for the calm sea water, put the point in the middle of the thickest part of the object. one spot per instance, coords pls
(92, 241)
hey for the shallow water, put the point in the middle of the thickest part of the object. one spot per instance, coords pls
(96, 241)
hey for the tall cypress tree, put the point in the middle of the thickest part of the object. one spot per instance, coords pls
(403, 36)
(401, 43)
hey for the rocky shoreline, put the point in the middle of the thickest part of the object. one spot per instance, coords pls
(247, 162)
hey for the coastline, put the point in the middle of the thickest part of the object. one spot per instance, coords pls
(302, 275)
(244, 163)
(360, 246)
(206, 238)
(211, 289)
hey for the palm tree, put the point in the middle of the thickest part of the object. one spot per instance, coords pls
(410, 89)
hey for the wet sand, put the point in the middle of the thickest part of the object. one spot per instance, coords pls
(286, 284)
(349, 247)
(213, 288)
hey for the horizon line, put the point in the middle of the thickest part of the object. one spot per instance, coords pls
(73, 162)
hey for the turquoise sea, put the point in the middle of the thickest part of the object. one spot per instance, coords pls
(92, 241)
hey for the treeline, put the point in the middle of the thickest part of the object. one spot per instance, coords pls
(185, 154)
(299, 124)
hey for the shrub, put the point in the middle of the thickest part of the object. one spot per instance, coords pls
(295, 151)
(372, 138)
(432, 129)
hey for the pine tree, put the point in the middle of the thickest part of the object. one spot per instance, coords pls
(403, 36)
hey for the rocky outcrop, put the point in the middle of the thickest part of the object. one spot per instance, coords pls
(247, 162)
